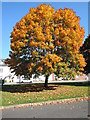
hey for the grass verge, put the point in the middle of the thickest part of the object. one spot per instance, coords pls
(31, 93)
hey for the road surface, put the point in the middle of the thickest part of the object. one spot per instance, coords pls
(77, 109)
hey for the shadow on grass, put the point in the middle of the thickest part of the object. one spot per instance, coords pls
(22, 88)
(75, 83)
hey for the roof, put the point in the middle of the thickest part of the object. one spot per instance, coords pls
(2, 62)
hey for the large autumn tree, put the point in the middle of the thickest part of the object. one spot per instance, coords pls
(46, 41)
(85, 50)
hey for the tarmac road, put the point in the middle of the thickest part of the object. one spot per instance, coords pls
(77, 109)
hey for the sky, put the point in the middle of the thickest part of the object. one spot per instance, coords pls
(12, 12)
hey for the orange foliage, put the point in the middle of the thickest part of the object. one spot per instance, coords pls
(56, 36)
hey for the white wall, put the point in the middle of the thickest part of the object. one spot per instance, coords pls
(42, 78)
(5, 73)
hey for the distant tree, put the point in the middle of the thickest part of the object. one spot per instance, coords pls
(45, 42)
(85, 50)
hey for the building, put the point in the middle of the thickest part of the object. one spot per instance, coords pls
(5, 73)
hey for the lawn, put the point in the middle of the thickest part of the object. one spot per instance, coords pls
(30, 93)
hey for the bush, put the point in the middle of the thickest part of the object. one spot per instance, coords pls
(10, 81)
(5, 81)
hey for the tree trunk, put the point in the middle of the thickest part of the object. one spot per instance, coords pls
(46, 81)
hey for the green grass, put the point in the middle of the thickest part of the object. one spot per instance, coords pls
(30, 93)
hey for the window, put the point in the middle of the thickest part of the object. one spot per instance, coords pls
(1, 70)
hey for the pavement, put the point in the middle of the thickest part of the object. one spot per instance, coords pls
(78, 109)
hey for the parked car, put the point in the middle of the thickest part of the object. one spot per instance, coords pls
(26, 80)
